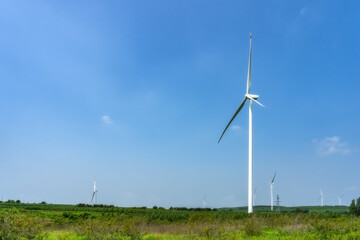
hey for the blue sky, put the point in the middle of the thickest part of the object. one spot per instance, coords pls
(137, 94)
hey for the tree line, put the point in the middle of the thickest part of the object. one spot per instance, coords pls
(355, 207)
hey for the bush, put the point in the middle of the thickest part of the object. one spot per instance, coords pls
(17, 225)
(129, 229)
(253, 227)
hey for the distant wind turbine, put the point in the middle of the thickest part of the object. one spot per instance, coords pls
(94, 195)
(251, 98)
(340, 198)
(271, 192)
(321, 198)
(204, 202)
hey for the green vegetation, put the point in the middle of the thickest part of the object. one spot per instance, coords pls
(355, 208)
(303, 209)
(53, 221)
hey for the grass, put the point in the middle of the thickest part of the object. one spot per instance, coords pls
(319, 209)
(63, 235)
(267, 235)
(88, 223)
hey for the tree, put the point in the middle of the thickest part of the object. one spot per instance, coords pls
(357, 213)
(355, 208)
(352, 208)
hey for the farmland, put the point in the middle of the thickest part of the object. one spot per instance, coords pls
(55, 221)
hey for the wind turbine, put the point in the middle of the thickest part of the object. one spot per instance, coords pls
(254, 196)
(321, 198)
(340, 198)
(271, 192)
(251, 98)
(94, 195)
(204, 202)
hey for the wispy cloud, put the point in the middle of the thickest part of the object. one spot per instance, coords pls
(350, 188)
(235, 127)
(303, 11)
(229, 197)
(331, 145)
(130, 195)
(106, 119)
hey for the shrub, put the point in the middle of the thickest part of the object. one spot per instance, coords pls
(17, 225)
(253, 227)
(129, 229)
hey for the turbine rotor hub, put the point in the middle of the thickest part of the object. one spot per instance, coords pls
(253, 96)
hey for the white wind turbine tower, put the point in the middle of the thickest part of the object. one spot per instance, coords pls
(321, 198)
(94, 195)
(251, 98)
(271, 192)
(204, 202)
(340, 198)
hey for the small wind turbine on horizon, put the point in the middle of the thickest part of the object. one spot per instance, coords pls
(251, 98)
(340, 198)
(321, 198)
(204, 201)
(271, 192)
(94, 195)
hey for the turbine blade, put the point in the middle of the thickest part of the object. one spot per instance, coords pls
(236, 113)
(249, 70)
(93, 196)
(273, 178)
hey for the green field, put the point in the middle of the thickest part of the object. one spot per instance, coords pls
(55, 221)
(319, 209)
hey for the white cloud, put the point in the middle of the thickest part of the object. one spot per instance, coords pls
(331, 145)
(235, 127)
(106, 119)
(303, 11)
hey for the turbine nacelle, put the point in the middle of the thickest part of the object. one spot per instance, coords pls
(251, 96)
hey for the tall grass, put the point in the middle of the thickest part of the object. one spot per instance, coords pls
(171, 224)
